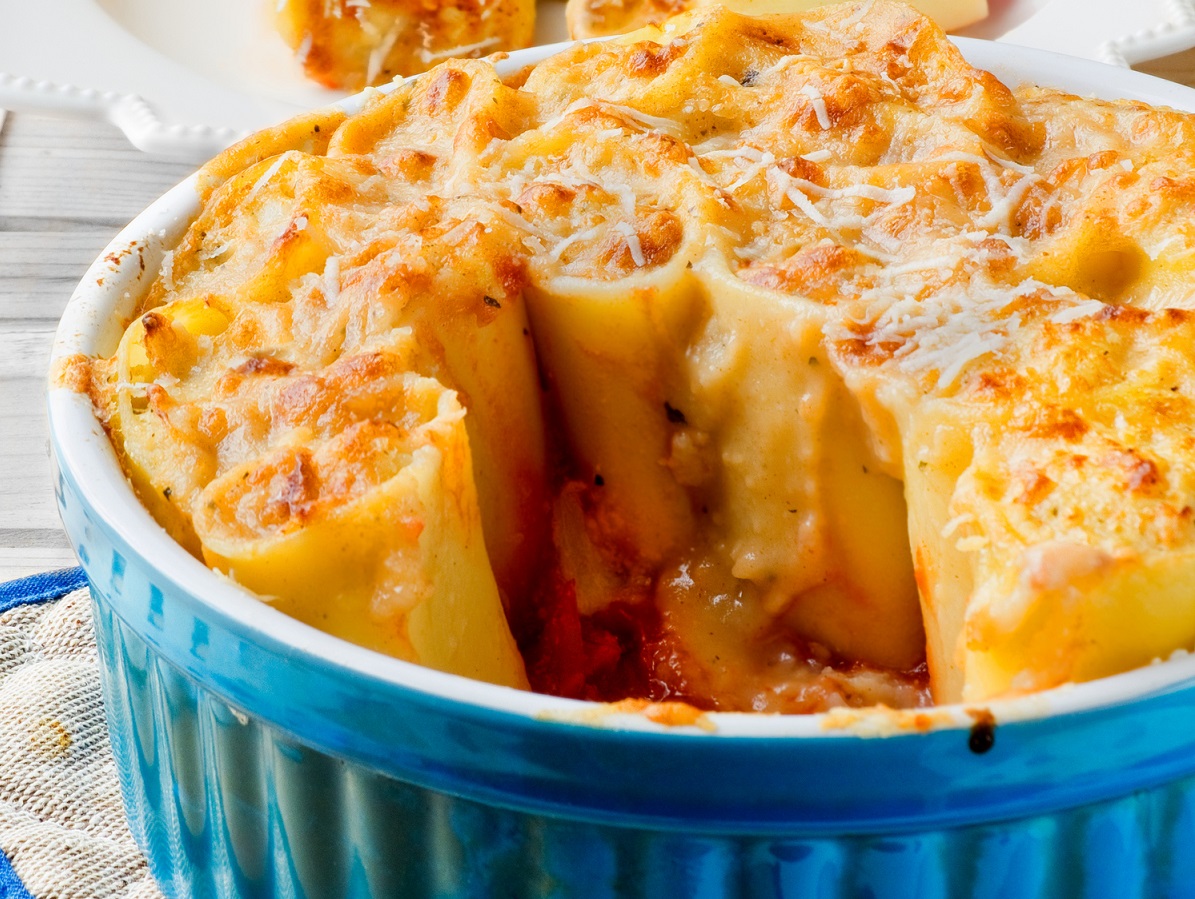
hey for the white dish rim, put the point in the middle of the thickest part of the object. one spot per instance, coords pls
(90, 323)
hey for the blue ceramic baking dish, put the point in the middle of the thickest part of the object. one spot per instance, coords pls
(260, 757)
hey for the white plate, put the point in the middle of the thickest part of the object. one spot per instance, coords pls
(185, 79)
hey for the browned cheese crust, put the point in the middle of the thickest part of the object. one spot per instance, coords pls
(833, 352)
(348, 44)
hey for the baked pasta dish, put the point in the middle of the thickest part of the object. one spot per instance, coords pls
(348, 44)
(768, 364)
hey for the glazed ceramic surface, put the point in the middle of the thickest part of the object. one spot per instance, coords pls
(260, 757)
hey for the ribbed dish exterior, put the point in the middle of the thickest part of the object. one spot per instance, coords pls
(228, 806)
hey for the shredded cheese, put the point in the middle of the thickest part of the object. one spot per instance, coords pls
(856, 21)
(168, 270)
(632, 242)
(818, 102)
(332, 280)
(430, 56)
(1084, 309)
(377, 56)
(563, 245)
(261, 182)
(304, 48)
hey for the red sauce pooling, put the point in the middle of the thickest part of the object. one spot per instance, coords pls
(608, 656)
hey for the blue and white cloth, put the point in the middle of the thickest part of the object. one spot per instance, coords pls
(62, 826)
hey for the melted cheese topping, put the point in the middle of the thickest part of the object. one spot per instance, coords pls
(771, 360)
(601, 18)
(348, 44)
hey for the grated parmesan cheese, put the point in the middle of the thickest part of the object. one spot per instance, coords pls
(798, 199)
(430, 56)
(582, 103)
(818, 102)
(215, 252)
(643, 119)
(1008, 163)
(377, 56)
(1084, 309)
(999, 216)
(304, 48)
(332, 280)
(762, 162)
(632, 242)
(265, 178)
(856, 21)
(949, 330)
(563, 245)
(168, 270)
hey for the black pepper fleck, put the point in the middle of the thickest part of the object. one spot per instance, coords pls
(674, 415)
(490, 301)
(599, 481)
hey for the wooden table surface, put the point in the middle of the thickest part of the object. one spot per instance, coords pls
(66, 188)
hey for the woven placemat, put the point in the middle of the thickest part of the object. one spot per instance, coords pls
(63, 833)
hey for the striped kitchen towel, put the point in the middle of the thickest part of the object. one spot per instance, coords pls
(62, 826)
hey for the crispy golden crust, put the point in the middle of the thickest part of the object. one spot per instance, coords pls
(851, 359)
(601, 18)
(348, 44)
(309, 133)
